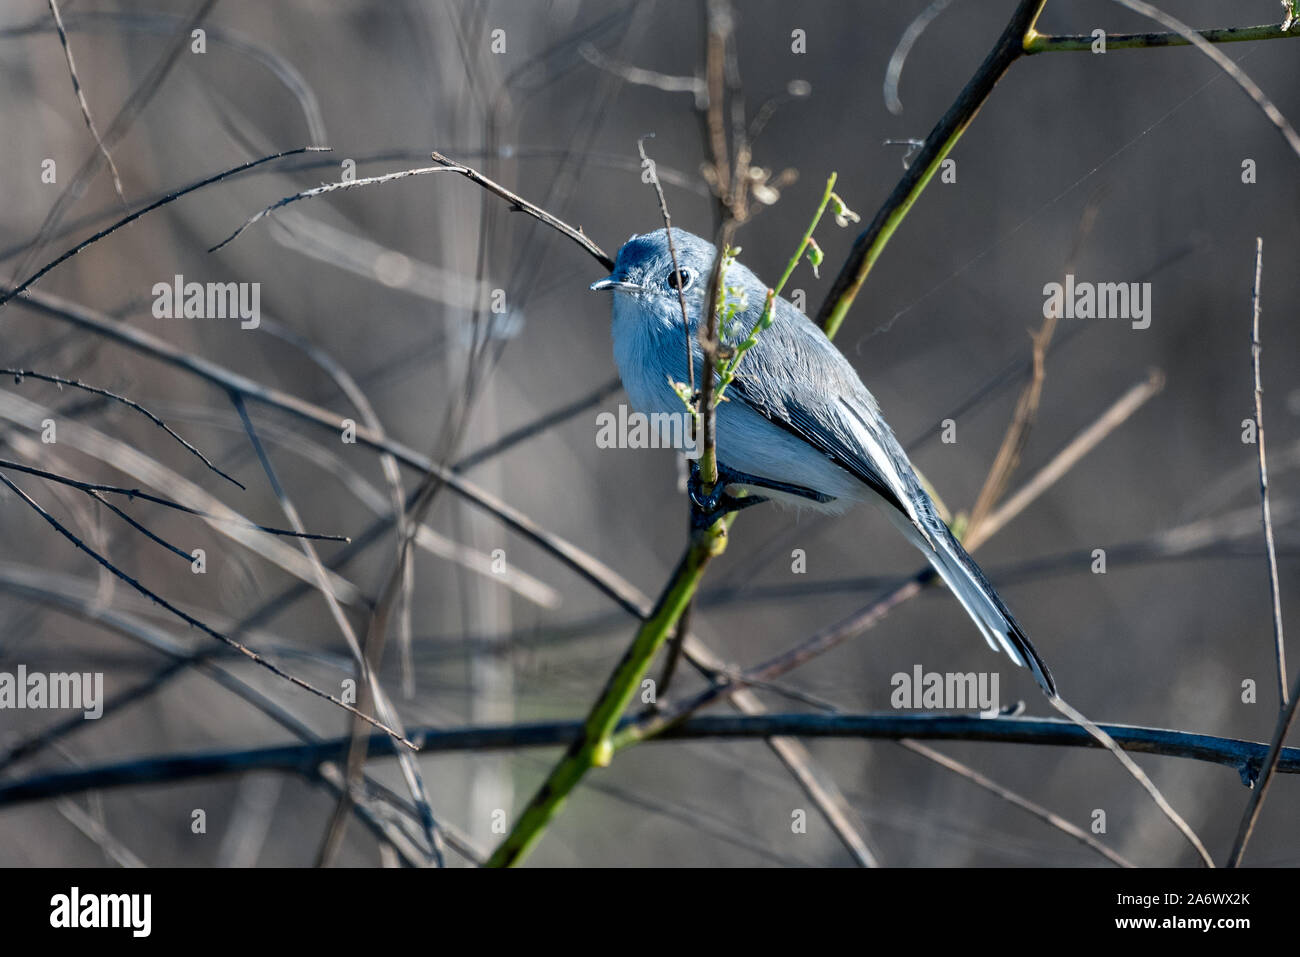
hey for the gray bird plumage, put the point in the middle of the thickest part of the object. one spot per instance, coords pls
(798, 413)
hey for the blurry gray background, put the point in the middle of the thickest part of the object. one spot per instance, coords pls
(389, 281)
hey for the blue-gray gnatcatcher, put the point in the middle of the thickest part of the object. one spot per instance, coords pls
(799, 426)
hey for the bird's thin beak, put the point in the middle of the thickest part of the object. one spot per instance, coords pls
(609, 282)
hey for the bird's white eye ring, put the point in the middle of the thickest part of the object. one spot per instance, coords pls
(687, 276)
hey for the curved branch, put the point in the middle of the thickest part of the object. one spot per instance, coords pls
(1245, 756)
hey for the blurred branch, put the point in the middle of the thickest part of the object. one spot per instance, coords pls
(366, 674)
(640, 77)
(157, 23)
(134, 493)
(191, 620)
(894, 72)
(302, 758)
(538, 425)
(117, 128)
(321, 455)
(1006, 794)
(392, 471)
(81, 101)
(1016, 438)
(26, 284)
(96, 831)
(591, 569)
(76, 597)
(1068, 457)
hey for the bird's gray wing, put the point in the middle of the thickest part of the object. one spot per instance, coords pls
(798, 380)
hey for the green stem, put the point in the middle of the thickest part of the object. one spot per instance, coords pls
(891, 223)
(1036, 42)
(594, 747)
(868, 246)
(728, 371)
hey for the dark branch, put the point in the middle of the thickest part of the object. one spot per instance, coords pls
(1245, 756)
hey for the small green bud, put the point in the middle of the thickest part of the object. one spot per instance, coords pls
(815, 256)
(843, 215)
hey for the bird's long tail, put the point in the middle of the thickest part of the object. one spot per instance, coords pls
(966, 581)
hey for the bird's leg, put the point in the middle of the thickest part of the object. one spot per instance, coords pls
(707, 509)
(728, 476)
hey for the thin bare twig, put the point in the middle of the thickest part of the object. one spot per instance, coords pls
(321, 191)
(20, 374)
(1010, 796)
(81, 101)
(1048, 43)
(179, 552)
(410, 770)
(1109, 743)
(1224, 63)
(134, 493)
(1287, 717)
(1266, 508)
(132, 217)
(649, 165)
(117, 128)
(1068, 457)
(521, 205)
(191, 620)
(517, 202)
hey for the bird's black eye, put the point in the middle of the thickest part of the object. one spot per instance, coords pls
(680, 279)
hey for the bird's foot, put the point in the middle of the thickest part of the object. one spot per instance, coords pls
(708, 508)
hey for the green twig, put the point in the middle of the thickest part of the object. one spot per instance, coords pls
(594, 747)
(727, 371)
(1036, 42)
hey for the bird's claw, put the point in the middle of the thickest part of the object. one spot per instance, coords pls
(707, 508)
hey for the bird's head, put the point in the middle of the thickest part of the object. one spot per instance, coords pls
(644, 270)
